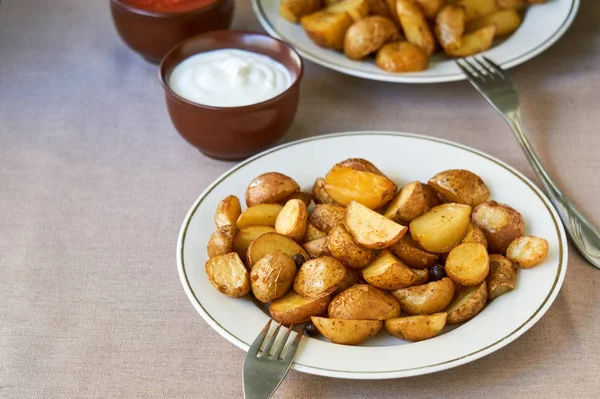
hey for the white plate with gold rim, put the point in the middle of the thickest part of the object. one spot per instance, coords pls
(403, 157)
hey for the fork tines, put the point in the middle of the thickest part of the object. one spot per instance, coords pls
(262, 338)
(482, 69)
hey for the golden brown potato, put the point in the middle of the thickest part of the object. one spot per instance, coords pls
(409, 252)
(326, 216)
(450, 26)
(527, 251)
(346, 332)
(500, 224)
(293, 10)
(468, 264)
(474, 234)
(506, 22)
(319, 277)
(259, 215)
(408, 204)
(474, 42)
(228, 211)
(270, 188)
(367, 36)
(346, 250)
(469, 301)
(415, 26)
(270, 242)
(428, 298)
(416, 328)
(441, 228)
(391, 4)
(272, 276)
(431, 197)
(370, 229)
(379, 7)
(430, 7)
(422, 276)
(460, 186)
(293, 308)
(388, 273)
(228, 274)
(344, 184)
(319, 194)
(221, 241)
(361, 164)
(353, 276)
(312, 233)
(357, 9)
(511, 4)
(245, 236)
(401, 57)
(300, 195)
(327, 29)
(502, 277)
(363, 302)
(477, 8)
(318, 247)
(291, 221)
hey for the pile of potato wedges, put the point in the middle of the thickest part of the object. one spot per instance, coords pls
(358, 254)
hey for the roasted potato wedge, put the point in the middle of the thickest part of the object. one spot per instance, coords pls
(312, 233)
(363, 302)
(346, 332)
(477, 8)
(474, 42)
(319, 277)
(441, 228)
(511, 4)
(370, 229)
(228, 211)
(318, 247)
(272, 276)
(357, 9)
(506, 22)
(393, 11)
(408, 204)
(388, 273)
(293, 10)
(415, 26)
(343, 247)
(300, 195)
(259, 215)
(326, 216)
(228, 274)
(460, 186)
(428, 298)
(409, 252)
(450, 26)
(468, 264)
(475, 235)
(221, 241)
(327, 29)
(270, 242)
(379, 7)
(431, 197)
(500, 224)
(319, 194)
(422, 276)
(400, 57)
(245, 236)
(416, 328)
(291, 221)
(353, 276)
(270, 188)
(469, 301)
(345, 184)
(430, 7)
(502, 277)
(367, 36)
(293, 308)
(527, 251)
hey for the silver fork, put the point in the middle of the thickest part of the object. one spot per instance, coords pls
(263, 374)
(494, 84)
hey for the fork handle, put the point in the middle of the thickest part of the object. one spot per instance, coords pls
(585, 237)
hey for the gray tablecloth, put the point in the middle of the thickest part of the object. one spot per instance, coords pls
(94, 183)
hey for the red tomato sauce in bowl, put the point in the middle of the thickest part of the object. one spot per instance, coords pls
(168, 5)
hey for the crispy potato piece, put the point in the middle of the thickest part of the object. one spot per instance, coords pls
(502, 277)
(293, 10)
(506, 22)
(370, 229)
(477, 8)
(221, 241)
(527, 251)
(393, 11)
(291, 221)
(246, 235)
(318, 247)
(367, 36)
(326, 216)
(319, 277)
(380, 7)
(511, 4)
(353, 276)
(270, 188)
(408, 251)
(259, 215)
(388, 273)
(346, 250)
(408, 204)
(361, 164)
(500, 224)
(474, 42)
(293, 308)
(474, 234)
(430, 7)
(363, 302)
(228, 211)
(228, 274)
(416, 328)
(422, 276)
(450, 26)
(441, 228)
(460, 186)
(346, 332)
(344, 184)
(357, 9)
(415, 26)
(272, 276)
(431, 197)
(312, 233)
(428, 298)
(469, 301)
(269, 242)
(319, 194)
(327, 29)
(468, 264)
(399, 57)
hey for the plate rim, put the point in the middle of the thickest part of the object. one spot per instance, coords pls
(399, 78)
(534, 318)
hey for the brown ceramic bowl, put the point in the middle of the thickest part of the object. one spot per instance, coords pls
(237, 132)
(153, 34)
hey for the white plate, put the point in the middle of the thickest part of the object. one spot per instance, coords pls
(404, 158)
(542, 26)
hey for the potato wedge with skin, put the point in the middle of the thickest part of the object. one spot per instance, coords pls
(370, 229)
(357, 9)
(416, 328)
(367, 36)
(353, 276)
(422, 276)
(363, 302)
(500, 224)
(527, 251)
(506, 22)
(441, 228)
(344, 184)
(343, 247)
(318, 247)
(409, 252)
(430, 7)
(293, 308)
(431, 197)
(319, 194)
(475, 235)
(270, 242)
(477, 8)
(319, 277)
(502, 277)
(291, 221)
(326, 216)
(293, 10)
(221, 241)
(474, 42)
(346, 332)
(228, 274)
(469, 301)
(246, 235)
(460, 186)
(450, 26)
(415, 26)
(380, 8)
(228, 211)
(399, 57)
(468, 264)
(270, 188)
(327, 29)
(387, 272)
(259, 215)
(360, 164)
(300, 195)
(428, 298)
(272, 276)
(312, 233)
(393, 11)
(408, 204)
